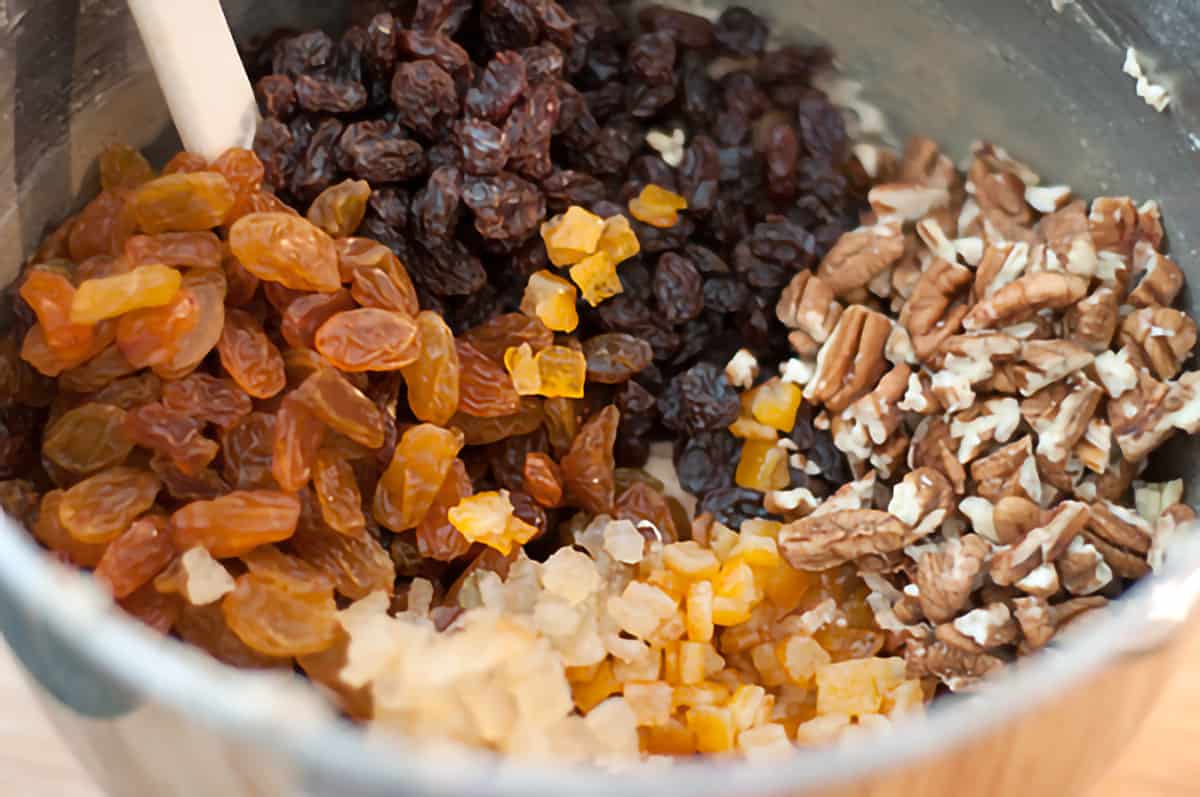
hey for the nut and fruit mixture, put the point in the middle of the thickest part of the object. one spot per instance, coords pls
(571, 385)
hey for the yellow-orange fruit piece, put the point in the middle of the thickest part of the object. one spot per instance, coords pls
(277, 621)
(109, 297)
(593, 691)
(763, 466)
(188, 202)
(433, 378)
(561, 372)
(572, 236)
(523, 368)
(51, 296)
(775, 404)
(712, 728)
(488, 518)
(657, 206)
(339, 209)
(419, 465)
(618, 240)
(287, 249)
(597, 278)
(122, 166)
(236, 523)
(551, 299)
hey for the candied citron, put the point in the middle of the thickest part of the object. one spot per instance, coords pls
(523, 368)
(763, 466)
(597, 278)
(618, 240)
(572, 236)
(775, 404)
(657, 206)
(551, 299)
(488, 518)
(562, 371)
(108, 297)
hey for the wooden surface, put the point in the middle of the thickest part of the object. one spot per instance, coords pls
(1161, 762)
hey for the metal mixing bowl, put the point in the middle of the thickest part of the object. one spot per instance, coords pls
(150, 717)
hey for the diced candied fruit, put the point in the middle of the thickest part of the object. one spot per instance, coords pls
(618, 240)
(657, 206)
(561, 372)
(122, 166)
(775, 404)
(848, 687)
(597, 278)
(744, 705)
(721, 540)
(907, 696)
(572, 236)
(737, 581)
(488, 518)
(523, 369)
(668, 581)
(764, 742)
(109, 297)
(765, 658)
(700, 612)
(673, 738)
(185, 202)
(759, 552)
(693, 660)
(591, 693)
(729, 611)
(763, 466)
(712, 727)
(650, 701)
(849, 643)
(785, 586)
(690, 559)
(551, 299)
(801, 657)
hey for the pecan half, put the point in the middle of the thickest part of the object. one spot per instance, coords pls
(1159, 338)
(859, 256)
(931, 314)
(851, 361)
(1024, 297)
(822, 541)
(906, 201)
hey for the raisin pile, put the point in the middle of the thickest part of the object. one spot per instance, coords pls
(473, 125)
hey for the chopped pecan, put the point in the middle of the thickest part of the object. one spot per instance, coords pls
(1092, 322)
(807, 304)
(966, 361)
(908, 201)
(1120, 526)
(851, 361)
(1116, 372)
(1082, 569)
(1040, 621)
(1144, 417)
(1068, 235)
(1114, 224)
(876, 415)
(860, 255)
(1010, 470)
(1168, 524)
(922, 162)
(1159, 338)
(992, 421)
(1095, 447)
(1001, 199)
(1000, 265)
(1161, 278)
(935, 239)
(1042, 544)
(1059, 415)
(1153, 498)
(1014, 517)
(1040, 363)
(1047, 198)
(919, 396)
(981, 629)
(947, 576)
(922, 500)
(931, 313)
(1042, 581)
(1150, 229)
(932, 447)
(822, 541)
(899, 349)
(1114, 482)
(1024, 297)
(955, 667)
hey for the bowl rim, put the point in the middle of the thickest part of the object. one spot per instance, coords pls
(253, 708)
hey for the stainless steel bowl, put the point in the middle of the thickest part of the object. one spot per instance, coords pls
(150, 717)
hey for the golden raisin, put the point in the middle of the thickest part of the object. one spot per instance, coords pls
(597, 278)
(572, 236)
(550, 299)
(589, 468)
(184, 249)
(122, 166)
(298, 437)
(339, 209)
(102, 506)
(136, 556)
(657, 206)
(277, 621)
(369, 339)
(241, 167)
(542, 479)
(338, 404)
(287, 249)
(185, 202)
(432, 379)
(87, 439)
(337, 493)
(52, 532)
(208, 288)
(109, 297)
(152, 336)
(236, 523)
(436, 536)
(249, 356)
(50, 295)
(500, 333)
(419, 465)
(485, 388)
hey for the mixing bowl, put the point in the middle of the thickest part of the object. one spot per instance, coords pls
(148, 716)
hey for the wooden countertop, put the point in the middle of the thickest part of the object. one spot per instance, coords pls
(1161, 762)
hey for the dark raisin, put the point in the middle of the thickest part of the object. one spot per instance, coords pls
(484, 149)
(565, 187)
(706, 260)
(792, 64)
(634, 400)
(700, 174)
(829, 461)
(699, 94)
(376, 151)
(435, 207)
(528, 510)
(307, 53)
(645, 101)
(440, 16)
(507, 457)
(822, 129)
(652, 58)
(706, 461)
(678, 289)
(274, 145)
(424, 95)
(509, 24)
(687, 30)
(317, 169)
(276, 96)
(528, 130)
(742, 94)
(543, 62)
(780, 154)
(603, 65)
(699, 400)
(733, 506)
(348, 62)
(558, 27)
(499, 87)
(606, 101)
(730, 127)
(447, 268)
(724, 294)
(506, 207)
(615, 357)
(380, 52)
(784, 242)
(740, 31)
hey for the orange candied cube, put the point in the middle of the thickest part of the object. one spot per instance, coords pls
(736, 580)
(713, 728)
(761, 553)
(785, 586)
(763, 467)
(800, 656)
(589, 694)
(699, 604)
(551, 299)
(523, 368)
(561, 371)
(729, 611)
(775, 404)
(618, 240)
(657, 206)
(108, 297)
(572, 236)
(671, 738)
(597, 278)
(706, 693)
(669, 582)
(689, 559)
(488, 518)
(848, 687)
(650, 701)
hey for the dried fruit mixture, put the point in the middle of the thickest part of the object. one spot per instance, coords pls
(591, 359)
